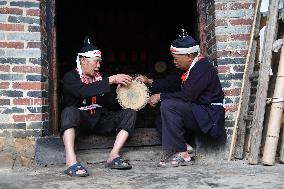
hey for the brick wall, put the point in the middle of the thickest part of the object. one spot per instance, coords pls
(23, 75)
(227, 27)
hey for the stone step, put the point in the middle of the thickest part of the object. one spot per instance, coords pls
(144, 144)
(50, 150)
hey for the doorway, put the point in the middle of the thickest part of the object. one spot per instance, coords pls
(133, 36)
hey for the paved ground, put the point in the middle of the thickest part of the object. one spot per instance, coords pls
(203, 173)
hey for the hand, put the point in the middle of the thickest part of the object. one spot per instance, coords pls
(144, 79)
(120, 79)
(154, 100)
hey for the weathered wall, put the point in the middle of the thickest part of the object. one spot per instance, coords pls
(23, 78)
(228, 31)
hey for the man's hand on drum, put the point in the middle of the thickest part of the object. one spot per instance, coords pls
(144, 79)
(154, 100)
(120, 79)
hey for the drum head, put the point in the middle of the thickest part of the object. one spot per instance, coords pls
(134, 96)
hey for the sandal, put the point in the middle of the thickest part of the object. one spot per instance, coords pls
(72, 170)
(118, 163)
(175, 161)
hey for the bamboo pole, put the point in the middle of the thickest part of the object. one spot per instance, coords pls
(282, 148)
(276, 112)
(243, 105)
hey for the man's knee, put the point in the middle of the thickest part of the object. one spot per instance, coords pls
(129, 120)
(166, 104)
(130, 114)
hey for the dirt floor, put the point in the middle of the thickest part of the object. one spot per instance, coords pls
(203, 173)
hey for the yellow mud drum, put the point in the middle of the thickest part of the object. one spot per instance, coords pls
(134, 96)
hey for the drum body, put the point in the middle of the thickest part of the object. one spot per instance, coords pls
(134, 96)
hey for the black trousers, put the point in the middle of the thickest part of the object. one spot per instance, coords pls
(103, 122)
(176, 122)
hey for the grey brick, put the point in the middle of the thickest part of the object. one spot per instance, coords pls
(4, 118)
(233, 45)
(12, 125)
(232, 30)
(2, 52)
(36, 125)
(26, 4)
(12, 60)
(35, 36)
(36, 78)
(42, 109)
(11, 93)
(38, 94)
(20, 53)
(227, 61)
(6, 133)
(2, 36)
(228, 100)
(26, 133)
(230, 14)
(3, 2)
(35, 61)
(226, 84)
(3, 17)
(23, 19)
(229, 77)
(13, 77)
(13, 110)
(34, 28)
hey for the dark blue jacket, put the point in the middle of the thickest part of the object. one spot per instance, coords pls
(201, 89)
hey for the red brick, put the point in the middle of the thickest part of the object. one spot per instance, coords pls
(11, 27)
(33, 12)
(4, 85)
(222, 38)
(223, 69)
(33, 44)
(237, 6)
(30, 117)
(16, 45)
(221, 22)
(4, 68)
(4, 102)
(240, 37)
(7, 10)
(241, 21)
(30, 69)
(221, 6)
(231, 108)
(29, 101)
(232, 92)
(29, 85)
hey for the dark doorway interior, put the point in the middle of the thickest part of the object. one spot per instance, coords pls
(132, 35)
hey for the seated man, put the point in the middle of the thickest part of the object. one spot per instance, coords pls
(82, 114)
(196, 106)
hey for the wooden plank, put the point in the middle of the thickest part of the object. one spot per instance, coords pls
(263, 81)
(238, 136)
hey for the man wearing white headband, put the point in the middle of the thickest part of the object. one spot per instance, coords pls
(195, 107)
(82, 114)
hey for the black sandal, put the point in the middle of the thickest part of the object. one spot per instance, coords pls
(118, 163)
(72, 170)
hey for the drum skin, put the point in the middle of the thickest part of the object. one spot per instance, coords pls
(134, 96)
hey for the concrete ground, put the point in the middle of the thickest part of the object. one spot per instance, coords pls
(204, 173)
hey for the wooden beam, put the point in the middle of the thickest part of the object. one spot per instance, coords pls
(238, 136)
(263, 81)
